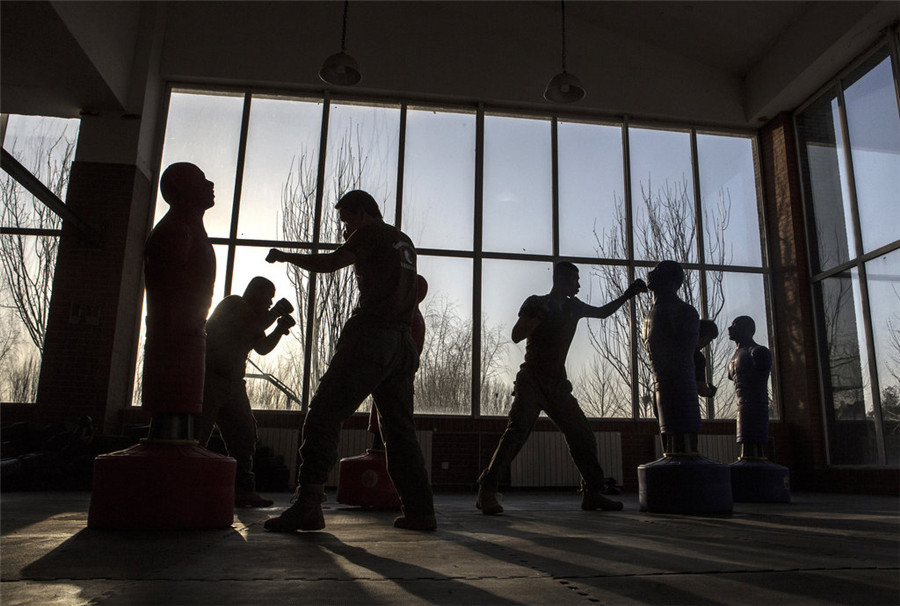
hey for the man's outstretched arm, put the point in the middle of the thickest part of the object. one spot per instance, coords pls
(636, 287)
(319, 263)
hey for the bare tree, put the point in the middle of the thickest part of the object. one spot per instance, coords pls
(666, 229)
(28, 260)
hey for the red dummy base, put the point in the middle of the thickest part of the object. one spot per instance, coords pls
(363, 481)
(162, 485)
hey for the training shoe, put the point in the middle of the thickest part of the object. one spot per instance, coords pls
(594, 499)
(487, 502)
(305, 514)
(251, 499)
(418, 522)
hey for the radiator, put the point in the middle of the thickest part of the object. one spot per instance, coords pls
(545, 460)
(285, 442)
(721, 448)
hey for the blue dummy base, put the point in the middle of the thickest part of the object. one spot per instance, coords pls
(760, 481)
(690, 484)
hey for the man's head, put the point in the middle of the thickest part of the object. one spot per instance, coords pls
(259, 294)
(183, 185)
(356, 208)
(565, 278)
(667, 276)
(742, 329)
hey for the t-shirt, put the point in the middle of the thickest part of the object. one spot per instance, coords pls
(385, 275)
(232, 330)
(548, 344)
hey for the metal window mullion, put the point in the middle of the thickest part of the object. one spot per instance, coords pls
(236, 199)
(317, 221)
(632, 270)
(401, 160)
(554, 180)
(476, 262)
(863, 282)
(701, 256)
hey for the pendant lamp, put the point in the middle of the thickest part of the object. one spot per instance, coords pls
(564, 87)
(340, 69)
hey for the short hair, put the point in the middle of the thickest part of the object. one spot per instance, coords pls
(259, 283)
(708, 329)
(357, 200)
(673, 270)
(563, 267)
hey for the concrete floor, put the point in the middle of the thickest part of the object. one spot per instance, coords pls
(821, 549)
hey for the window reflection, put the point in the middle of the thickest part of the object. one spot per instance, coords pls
(599, 363)
(662, 195)
(874, 131)
(823, 166)
(505, 286)
(205, 129)
(362, 153)
(439, 179)
(728, 197)
(730, 295)
(883, 278)
(444, 378)
(850, 424)
(518, 192)
(591, 191)
(278, 192)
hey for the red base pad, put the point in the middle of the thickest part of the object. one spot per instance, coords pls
(364, 481)
(162, 486)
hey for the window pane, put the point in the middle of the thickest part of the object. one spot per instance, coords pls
(439, 179)
(874, 127)
(278, 193)
(276, 382)
(444, 378)
(46, 147)
(518, 192)
(851, 429)
(591, 191)
(883, 278)
(363, 151)
(205, 129)
(505, 286)
(731, 295)
(599, 363)
(662, 195)
(729, 201)
(824, 179)
(27, 268)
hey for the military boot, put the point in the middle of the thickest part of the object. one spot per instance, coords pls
(487, 502)
(304, 514)
(592, 499)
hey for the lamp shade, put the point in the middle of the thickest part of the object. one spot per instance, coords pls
(564, 88)
(340, 69)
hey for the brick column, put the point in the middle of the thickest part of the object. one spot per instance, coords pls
(795, 348)
(93, 321)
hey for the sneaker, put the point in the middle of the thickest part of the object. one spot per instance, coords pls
(594, 499)
(305, 514)
(487, 502)
(418, 522)
(251, 499)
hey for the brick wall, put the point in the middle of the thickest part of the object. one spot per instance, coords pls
(81, 351)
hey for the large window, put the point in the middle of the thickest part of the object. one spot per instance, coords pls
(850, 157)
(29, 238)
(491, 200)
